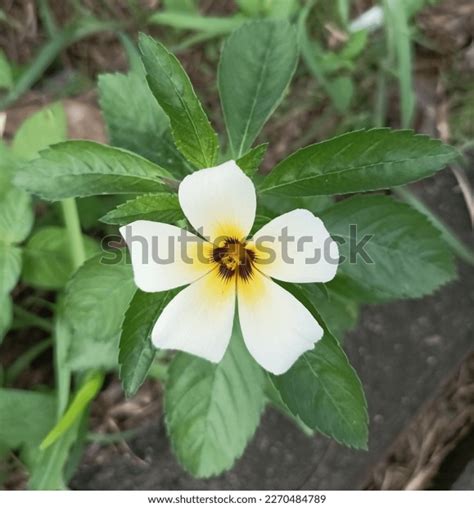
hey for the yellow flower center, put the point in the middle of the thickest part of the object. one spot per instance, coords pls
(235, 258)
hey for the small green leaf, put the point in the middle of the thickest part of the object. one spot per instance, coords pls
(95, 302)
(402, 255)
(256, 66)
(324, 390)
(359, 161)
(156, 207)
(136, 122)
(136, 350)
(25, 417)
(46, 261)
(82, 168)
(47, 126)
(169, 83)
(251, 161)
(16, 215)
(212, 410)
(10, 267)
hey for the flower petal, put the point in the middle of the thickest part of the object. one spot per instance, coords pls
(165, 256)
(219, 202)
(276, 327)
(199, 319)
(308, 254)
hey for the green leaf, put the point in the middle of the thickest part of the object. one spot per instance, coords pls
(275, 205)
(169, 83)
(156, 207)
(47, 126)
(261, 58)
(136, 122)
(339, 312)
(324, 390)
(136, 350)
(95, 302)
(342, 91)
(212, 410)
(251, 161)
(10, 267)
(25, 417)
(16, 215)
(405, 255)
(86, 393)
(82, 168)
(46, 260)
(359, 161)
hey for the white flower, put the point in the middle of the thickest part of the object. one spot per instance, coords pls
(226, 268)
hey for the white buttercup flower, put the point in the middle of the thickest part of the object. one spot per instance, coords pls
(226, 268)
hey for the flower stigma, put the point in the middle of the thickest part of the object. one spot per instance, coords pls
(234, 258)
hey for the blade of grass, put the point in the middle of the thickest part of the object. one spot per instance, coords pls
(86, 393)
(12, 372)
(399, 48)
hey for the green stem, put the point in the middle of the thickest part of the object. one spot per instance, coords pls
(26, 319)
(73, 228)
(25, 360)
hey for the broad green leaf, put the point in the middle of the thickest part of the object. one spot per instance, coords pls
(275, 205)
(136, 122)
(156, 207)
(82, 168)
(46, 260)
(339, 312)
(16, 215)
(256, 66)
(47, 126)
(212, 410)
(25, 417)
(10, 267)
(324, 390)
(95, 302)
(404, 256)
(169, 83)
(251, 161)
(274, 397)
(136, 350)
(359, 161)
